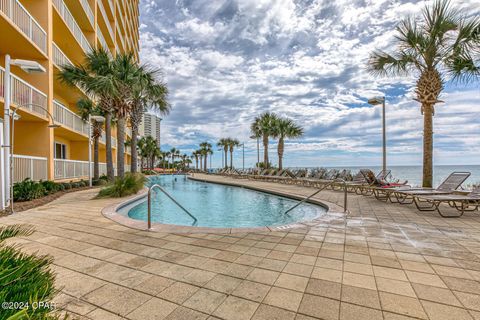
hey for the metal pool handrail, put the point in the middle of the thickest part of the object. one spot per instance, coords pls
(321, 189)
(149, 202)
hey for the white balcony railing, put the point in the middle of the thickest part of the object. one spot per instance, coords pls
(70, 169)
(24, 167)
(74, 169)
(104, 141)
(24, 94)
(69, 119)
(102, 40)
(112, 7)
(88, 11)
(107, 21)
(14, 10)
(72, 24)
(59, 58)
(120, 36)
(122, 22)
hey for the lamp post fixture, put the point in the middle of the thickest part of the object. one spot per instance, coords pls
(29, 67)
(90, 119)
(10, 162)
(376, 101)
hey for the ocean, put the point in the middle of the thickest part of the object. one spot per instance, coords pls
(414, 173)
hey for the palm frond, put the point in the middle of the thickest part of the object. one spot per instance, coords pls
(382, 63)
(14, 231)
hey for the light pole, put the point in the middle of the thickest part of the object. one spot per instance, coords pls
(243, 155)
(376, 101)
(10, 169)
(258, 148)
(29, 67)
(96, 119)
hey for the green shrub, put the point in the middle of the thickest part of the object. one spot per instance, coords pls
(50, 186)
(149, 172)
(103, 177)
(121, 187)
(25, 278)
(99, 182)
(67, 185)
(60, 187)
(28, 190)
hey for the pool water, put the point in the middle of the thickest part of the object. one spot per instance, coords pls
(219, 206)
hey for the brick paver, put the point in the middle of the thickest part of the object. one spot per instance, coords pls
(379, 261)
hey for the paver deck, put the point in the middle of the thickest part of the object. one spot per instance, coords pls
(380, 261)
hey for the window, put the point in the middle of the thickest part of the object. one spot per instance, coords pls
(60, 151)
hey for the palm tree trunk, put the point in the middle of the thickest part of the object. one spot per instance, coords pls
(266, 163)
(429, 87)
(96, 171)
(133, 147)
(427, 146)
(231, 158)
(280, 153)
(108, 143)
(226, 158)
(121, 147)
(205, 162)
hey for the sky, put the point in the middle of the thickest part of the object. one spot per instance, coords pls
(227, 61)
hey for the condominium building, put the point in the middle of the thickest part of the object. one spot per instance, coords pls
(151, 126)
(53, 33)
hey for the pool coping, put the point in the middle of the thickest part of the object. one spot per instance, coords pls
(112, 212)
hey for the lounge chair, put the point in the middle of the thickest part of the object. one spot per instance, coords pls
(461, 202)
(373, 182)
(448, 186)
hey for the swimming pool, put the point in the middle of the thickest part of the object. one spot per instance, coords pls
(219, 206)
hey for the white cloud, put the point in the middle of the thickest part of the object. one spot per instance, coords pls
(228, 60)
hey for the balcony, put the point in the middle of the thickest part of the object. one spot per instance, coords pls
(70, 169)
(24, 95)
(102, 41)
(59, 58)
(69, 119)
(34, 168)
(74, 169)
(16, 12)
(72, 24)
(106, 20)
(122, 41)
(88, 11)
(104, 140)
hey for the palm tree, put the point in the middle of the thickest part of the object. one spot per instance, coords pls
(96, 78)
(263, 126)
(147, 91)
(205, 149)
(224, 143)
(149, 150)
(196, 154)
(440, 44)
(200, 160)
(232, 143)
(173, 155)
(285, 128)
(87, 108)
(126, 73)
(167, 157)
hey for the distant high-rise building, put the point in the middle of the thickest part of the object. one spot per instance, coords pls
(151, 126)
